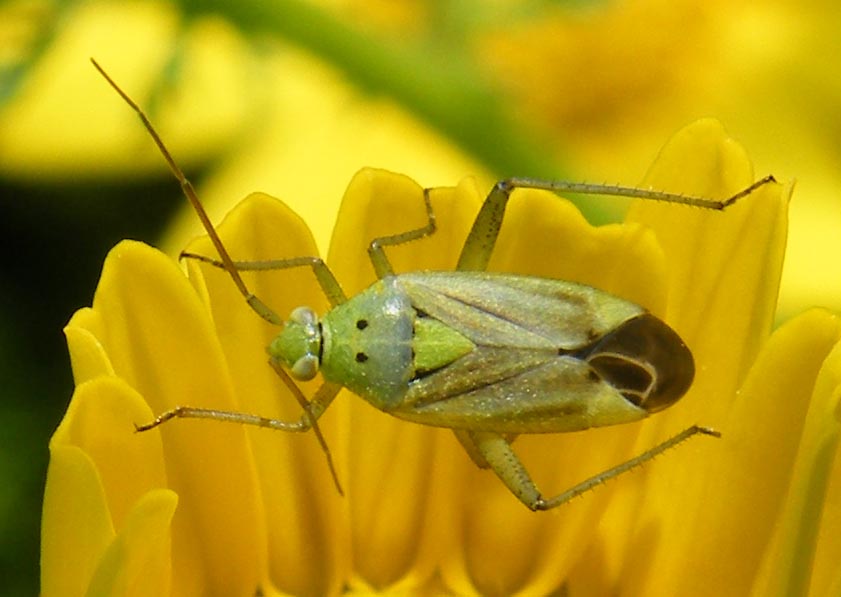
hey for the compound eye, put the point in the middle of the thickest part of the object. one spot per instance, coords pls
(303, 315)
(305, 368)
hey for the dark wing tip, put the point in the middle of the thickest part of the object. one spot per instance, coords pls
(646, 361)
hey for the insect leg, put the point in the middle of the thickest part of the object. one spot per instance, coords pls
(326, 280)
(495, 450)
(626, 466)
(313, 409)
(498, 453)
(466, 441)
(480, 243)
(560, 186)
(382, 267)
(228, 416)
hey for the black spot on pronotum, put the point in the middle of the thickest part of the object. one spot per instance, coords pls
(361, 357)
(361, 324)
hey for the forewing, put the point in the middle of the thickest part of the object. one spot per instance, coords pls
(494, 390)
(504, 310)
(523, 375)
(484, 367)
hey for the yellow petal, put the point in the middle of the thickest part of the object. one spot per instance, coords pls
(302, 508)
(75, 527)
(826, 577)
(726, 536)
(108, 459)
(100, 421)
(724, 269)
(379, 204)
(88, 357)
(724, 266)
(137, 563)
(807, 534)
(547, 236)
(161, 341)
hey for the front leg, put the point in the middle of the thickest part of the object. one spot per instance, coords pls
(313, 409)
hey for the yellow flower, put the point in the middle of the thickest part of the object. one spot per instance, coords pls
(610, 78)
(198, 507)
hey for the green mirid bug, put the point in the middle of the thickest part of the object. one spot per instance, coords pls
(488, 355)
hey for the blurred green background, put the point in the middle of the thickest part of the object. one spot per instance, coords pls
(292, 97)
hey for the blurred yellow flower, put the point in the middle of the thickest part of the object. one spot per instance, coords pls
(61, 125)
(610, 78)
(197, 507)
